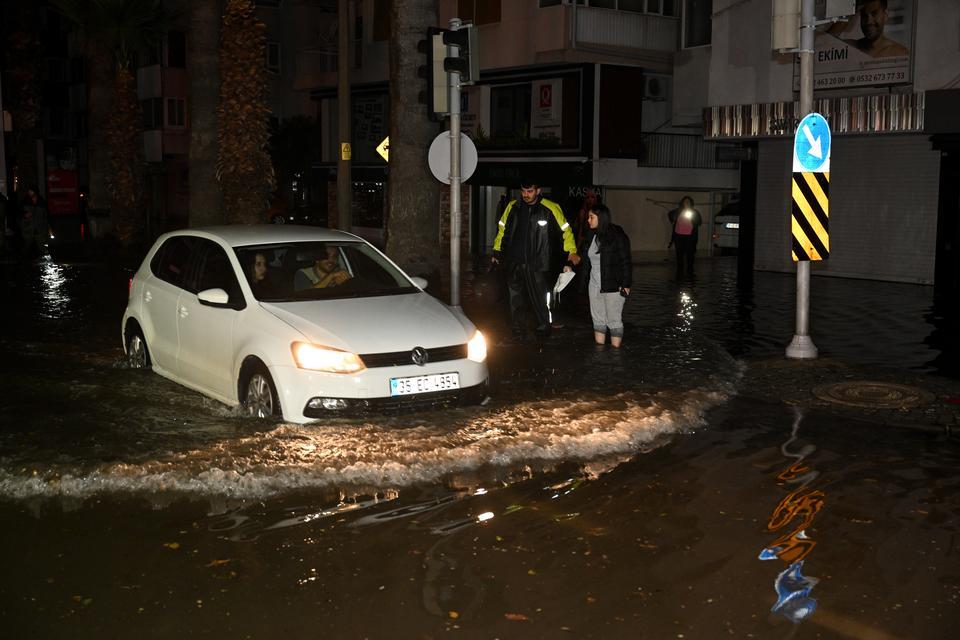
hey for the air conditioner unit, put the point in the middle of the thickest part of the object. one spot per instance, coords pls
(655, 88)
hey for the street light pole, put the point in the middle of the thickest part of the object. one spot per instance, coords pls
(453, 80)
(3, 151)
(802, 347)
(344, 126)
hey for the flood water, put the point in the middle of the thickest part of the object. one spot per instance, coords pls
(599, 493)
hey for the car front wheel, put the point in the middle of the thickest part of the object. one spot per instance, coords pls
(260, 396)
(138, 356)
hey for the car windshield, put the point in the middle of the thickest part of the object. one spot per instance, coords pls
(319, 270)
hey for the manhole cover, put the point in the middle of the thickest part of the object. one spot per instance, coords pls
(873, 395)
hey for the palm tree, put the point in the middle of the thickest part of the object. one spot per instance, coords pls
(121, 27)
(204, 70)
(22, 45)
(243, 165)
(413, 194)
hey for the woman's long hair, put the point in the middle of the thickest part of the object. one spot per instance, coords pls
(603, 221)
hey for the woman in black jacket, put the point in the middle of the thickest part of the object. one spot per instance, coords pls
(607, 272)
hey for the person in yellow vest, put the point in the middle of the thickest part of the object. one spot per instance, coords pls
(531, 232)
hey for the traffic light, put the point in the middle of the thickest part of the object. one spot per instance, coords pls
(466, 61)
(436, 95)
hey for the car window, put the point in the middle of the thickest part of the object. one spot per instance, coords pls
(319, 270)
(172, 260)
(216, 272)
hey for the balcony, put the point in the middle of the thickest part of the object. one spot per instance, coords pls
(611, 29)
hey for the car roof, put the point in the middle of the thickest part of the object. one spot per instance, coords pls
(241, 235)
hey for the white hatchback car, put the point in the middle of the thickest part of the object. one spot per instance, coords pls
(298, 322)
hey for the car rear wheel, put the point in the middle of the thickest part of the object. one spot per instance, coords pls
(138, 356)
(260, 398)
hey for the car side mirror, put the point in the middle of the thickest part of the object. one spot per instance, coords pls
(420, 282)
(214, 297)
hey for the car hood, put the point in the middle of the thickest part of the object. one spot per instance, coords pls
(378, 324)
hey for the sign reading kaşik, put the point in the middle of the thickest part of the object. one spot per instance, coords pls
(872, 48)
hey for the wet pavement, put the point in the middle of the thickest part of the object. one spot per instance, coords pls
(694, 484)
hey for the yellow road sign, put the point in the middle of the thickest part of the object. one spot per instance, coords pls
(810, 222)
(384, 149)
(345, 152)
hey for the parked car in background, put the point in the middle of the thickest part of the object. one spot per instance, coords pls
(726, 229)
(298, 322)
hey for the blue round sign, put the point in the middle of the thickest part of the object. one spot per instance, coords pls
(811, 144)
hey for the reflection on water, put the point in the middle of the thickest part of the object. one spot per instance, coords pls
(56, 302)
(795, 513)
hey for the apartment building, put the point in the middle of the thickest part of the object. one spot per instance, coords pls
(894, 112)
(578, 95)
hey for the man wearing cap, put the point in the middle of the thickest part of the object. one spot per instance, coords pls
(531, 230)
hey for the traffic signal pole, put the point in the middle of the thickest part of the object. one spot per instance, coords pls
(453, 79)
(802, 345)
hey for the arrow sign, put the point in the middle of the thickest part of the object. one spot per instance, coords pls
(814, 143)
(384, 149)
(811, 145)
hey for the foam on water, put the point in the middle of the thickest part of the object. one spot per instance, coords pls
(391, 453)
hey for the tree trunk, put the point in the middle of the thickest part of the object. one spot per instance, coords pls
(100, 78)
(413, 194)
(204, 69)
(125, 144)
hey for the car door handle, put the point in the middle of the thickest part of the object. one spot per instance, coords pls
(183, 312)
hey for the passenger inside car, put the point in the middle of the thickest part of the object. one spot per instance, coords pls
(326, 271)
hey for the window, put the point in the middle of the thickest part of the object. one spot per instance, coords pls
(697, 22)
(381, 20)
(176, 116)
(177, 50)
(510, 111)
(479, 11)
(152, 109)
(217, 273)
(273, 57)
(172, 261)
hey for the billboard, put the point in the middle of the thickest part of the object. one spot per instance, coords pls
(872, 48)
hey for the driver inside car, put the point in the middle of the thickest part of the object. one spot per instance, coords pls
(324, 272)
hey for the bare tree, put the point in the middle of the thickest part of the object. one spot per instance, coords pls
(413, 194)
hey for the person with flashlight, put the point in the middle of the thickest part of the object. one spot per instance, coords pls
(684, 223)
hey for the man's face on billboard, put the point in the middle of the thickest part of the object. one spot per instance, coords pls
(873, 17)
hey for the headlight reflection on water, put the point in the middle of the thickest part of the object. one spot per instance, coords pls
(52, 281)
(686, 313)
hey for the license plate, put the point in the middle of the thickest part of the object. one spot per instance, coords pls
(424, 384)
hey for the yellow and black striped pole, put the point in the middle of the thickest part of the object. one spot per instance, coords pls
(810, 223)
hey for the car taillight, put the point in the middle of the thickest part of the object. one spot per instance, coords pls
(129, 288)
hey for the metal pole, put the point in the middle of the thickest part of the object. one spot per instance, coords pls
(453, 79)
(802, 345)
(344, 126)
(3, 152)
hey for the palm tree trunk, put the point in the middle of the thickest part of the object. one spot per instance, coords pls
(204, 69)
(100, 66)
(413, 194)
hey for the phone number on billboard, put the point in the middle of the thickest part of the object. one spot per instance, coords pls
(861, 78)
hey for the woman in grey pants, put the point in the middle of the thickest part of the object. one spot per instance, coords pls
(608, 272)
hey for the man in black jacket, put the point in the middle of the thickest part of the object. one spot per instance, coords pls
(530, 232)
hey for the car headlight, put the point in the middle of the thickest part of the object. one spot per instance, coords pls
(477, 348)
(317, 358)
